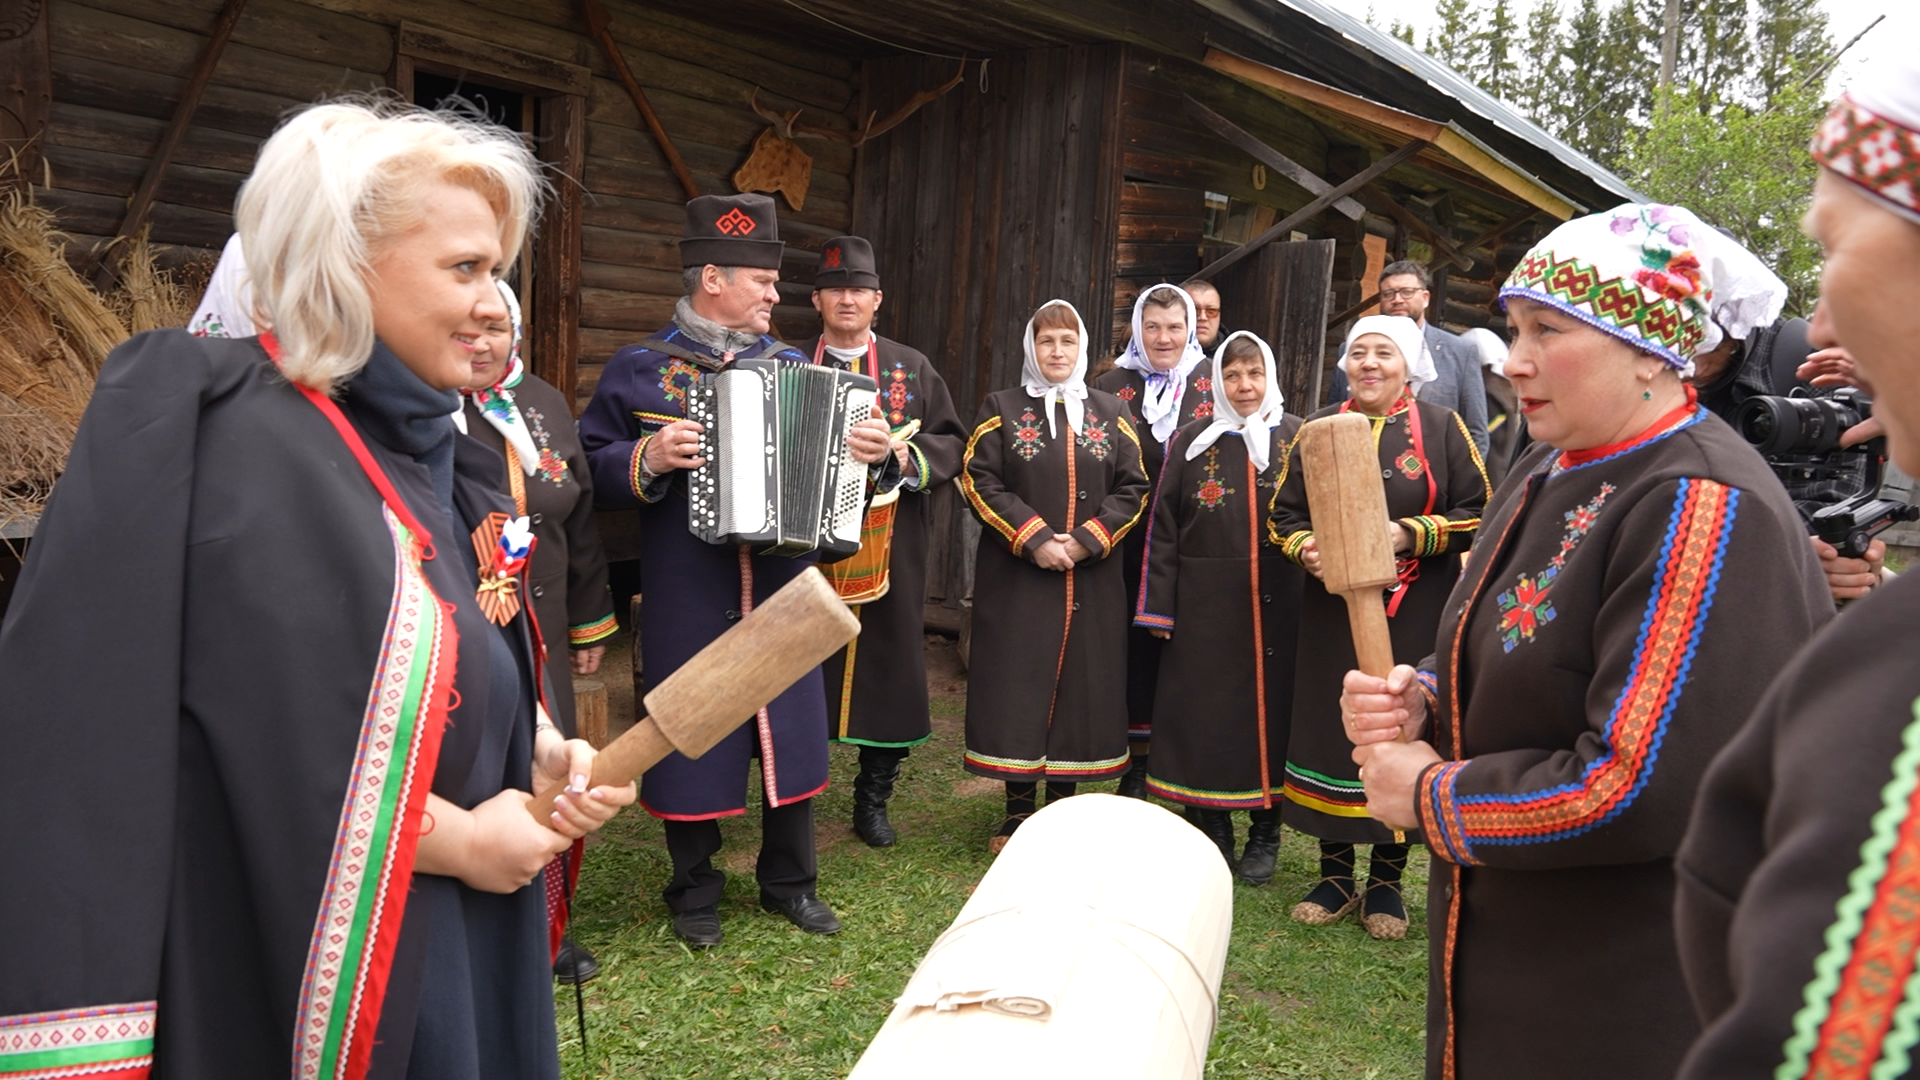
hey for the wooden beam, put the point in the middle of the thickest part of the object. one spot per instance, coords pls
(600, 23)
(1268, 156)
(1449, 138)
(136, 217)
(519, 70)
(1501, 229)
(1431, 235)
(1286, 225)
(556, 252)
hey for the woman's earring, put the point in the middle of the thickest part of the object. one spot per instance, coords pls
(1647, 394)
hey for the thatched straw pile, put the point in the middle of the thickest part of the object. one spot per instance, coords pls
(55, 331)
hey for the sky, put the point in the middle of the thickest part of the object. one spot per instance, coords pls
(1845, 18)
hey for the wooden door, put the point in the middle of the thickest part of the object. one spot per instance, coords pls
(1281, 293)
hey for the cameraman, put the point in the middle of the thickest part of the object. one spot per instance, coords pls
(1762, 354)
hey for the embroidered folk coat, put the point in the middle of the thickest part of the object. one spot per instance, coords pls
(694, 591)
(569, 568)
(1436, 486)
(1610, 633)
(299, 662)
(1232, 602)
(1143, 649)
(877, 686)
(1042, 700)
(1795, 919)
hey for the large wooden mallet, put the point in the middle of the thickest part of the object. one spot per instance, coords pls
(726, 683)
(1347, 501)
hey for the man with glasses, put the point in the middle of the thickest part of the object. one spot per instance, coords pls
(1206, 312)
(1406, 289)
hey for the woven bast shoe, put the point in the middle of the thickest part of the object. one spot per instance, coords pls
(1385, 914)
(1313, 912)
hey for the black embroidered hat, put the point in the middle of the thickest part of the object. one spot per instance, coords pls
(731, 230)
(847, 263)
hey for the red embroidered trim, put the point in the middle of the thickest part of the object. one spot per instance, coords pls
(1872, 151)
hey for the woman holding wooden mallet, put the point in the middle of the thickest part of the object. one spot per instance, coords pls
(1435, 487)
(1640, 576)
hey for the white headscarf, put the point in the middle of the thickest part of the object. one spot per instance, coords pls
(226, 311)
(1493, 351)
(496, 402)
(1872, 134)
(1160, 404)
(1745, 293)
(1256, 427)
(1071, 393)
(1404, 333)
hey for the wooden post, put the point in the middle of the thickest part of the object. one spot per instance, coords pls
(183, 111)
(590, 711)
(556, 254)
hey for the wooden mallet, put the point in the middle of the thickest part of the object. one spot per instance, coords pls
(1347, 501)
(726, 683)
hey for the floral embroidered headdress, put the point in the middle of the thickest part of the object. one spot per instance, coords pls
(1872, 136)
(1637, 272)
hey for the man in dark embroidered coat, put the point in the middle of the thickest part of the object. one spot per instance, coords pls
(638, 441)
(877, 686)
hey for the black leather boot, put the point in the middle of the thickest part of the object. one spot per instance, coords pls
(879, 768)
(1133, 783)
(1217, 825)
(1263, 847)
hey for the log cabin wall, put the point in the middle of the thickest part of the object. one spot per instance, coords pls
(981, 207)
(119, 66)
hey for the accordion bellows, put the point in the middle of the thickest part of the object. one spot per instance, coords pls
(1094, 946)
(778, 475)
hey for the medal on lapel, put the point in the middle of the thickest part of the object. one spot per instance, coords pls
(503, 545)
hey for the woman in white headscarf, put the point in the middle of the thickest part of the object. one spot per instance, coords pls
(1053, 470)
(1226, 602)
(1436, 485)
(525, 420)
(1163, 375)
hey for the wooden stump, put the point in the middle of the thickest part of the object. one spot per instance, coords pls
(590, 710)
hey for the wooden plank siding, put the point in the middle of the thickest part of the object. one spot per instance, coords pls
(118, 66)
(982, 207)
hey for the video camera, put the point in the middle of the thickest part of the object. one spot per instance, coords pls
(1836, 489)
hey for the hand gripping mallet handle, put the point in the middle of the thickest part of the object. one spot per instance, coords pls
(1347, 501)
(726, 683)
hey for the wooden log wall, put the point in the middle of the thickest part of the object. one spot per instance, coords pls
(1171, 161)
(118, 67)
(980, 208)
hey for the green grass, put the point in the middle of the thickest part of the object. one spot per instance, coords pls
(772, 1001)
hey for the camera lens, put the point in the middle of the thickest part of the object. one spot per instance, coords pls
(1794, 425)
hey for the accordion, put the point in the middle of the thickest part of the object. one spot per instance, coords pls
(778, 475)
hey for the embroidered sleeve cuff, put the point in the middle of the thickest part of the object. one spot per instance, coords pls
(648, 486)
(1439, 810)
(1099, 533)
(1036, 527)
(918, 473)
(1429, 685)
(1292, 543)
(885, 475)
(1153, 622)
(105, 1040)
(587, 633)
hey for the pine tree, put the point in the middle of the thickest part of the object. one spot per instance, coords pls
(1452, 42)
(1542, 91)
(1495, 67)
(1625, 70)
(1403, 31)
(1790, 43)
(1585, 88)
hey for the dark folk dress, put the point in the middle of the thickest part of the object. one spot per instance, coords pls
(695, 591)
(1232, 602)
(877, 686)
(1611, 632)
(1796, 921)
(1042, 700)
(1143, 649)
(1436, 487)
(569, 571)
(303, 661)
